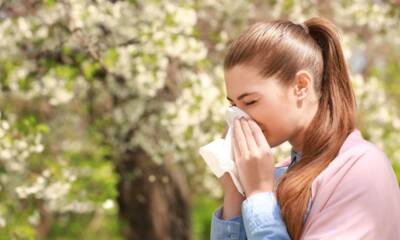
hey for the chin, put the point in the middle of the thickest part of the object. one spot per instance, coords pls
(272, 141)
(268, 138)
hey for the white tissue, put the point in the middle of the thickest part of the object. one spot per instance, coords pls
(219, 153)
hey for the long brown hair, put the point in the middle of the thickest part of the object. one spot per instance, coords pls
(280, 49)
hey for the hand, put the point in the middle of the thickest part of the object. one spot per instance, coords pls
(232, 198)
(253, 157)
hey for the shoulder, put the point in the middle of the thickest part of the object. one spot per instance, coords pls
(359, 193)
(365, 160)
(372, 170)
(363, 167)
(362, 159)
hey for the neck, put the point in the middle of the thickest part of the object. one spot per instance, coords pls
(298, 137)
(297, 141)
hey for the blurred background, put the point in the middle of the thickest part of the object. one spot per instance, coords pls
(104, 104)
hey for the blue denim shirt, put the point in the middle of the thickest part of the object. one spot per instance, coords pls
(260, 219)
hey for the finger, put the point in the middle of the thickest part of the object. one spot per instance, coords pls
(237, 160)
(250, 141)
(259, 137)
(236, 153)
(240, 139)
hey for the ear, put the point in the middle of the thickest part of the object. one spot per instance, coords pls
(302, 84)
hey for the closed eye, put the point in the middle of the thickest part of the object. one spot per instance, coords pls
(247, 104)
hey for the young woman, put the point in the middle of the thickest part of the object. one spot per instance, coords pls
(292, 80)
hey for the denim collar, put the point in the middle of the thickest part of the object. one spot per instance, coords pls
(295, 156)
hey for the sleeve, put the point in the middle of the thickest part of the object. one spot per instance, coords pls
(227, 229)
(264, 206)
(262, 218)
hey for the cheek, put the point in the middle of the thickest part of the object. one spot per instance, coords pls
(275, 122)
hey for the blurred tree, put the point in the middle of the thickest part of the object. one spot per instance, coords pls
(105, 103)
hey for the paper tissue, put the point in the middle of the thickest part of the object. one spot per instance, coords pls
(219, 153)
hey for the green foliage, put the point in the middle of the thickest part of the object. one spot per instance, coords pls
(203, 208)
(396, 167)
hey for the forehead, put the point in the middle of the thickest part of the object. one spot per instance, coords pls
(243, 79)
(242, 76)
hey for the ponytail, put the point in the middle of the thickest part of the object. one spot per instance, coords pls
(333, 122)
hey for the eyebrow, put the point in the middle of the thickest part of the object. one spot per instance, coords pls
(241, 96)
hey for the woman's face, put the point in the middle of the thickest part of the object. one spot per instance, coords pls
(278, 110)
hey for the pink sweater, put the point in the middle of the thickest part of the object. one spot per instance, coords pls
(356, 197)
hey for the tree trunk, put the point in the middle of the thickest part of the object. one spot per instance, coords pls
(153, 199)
